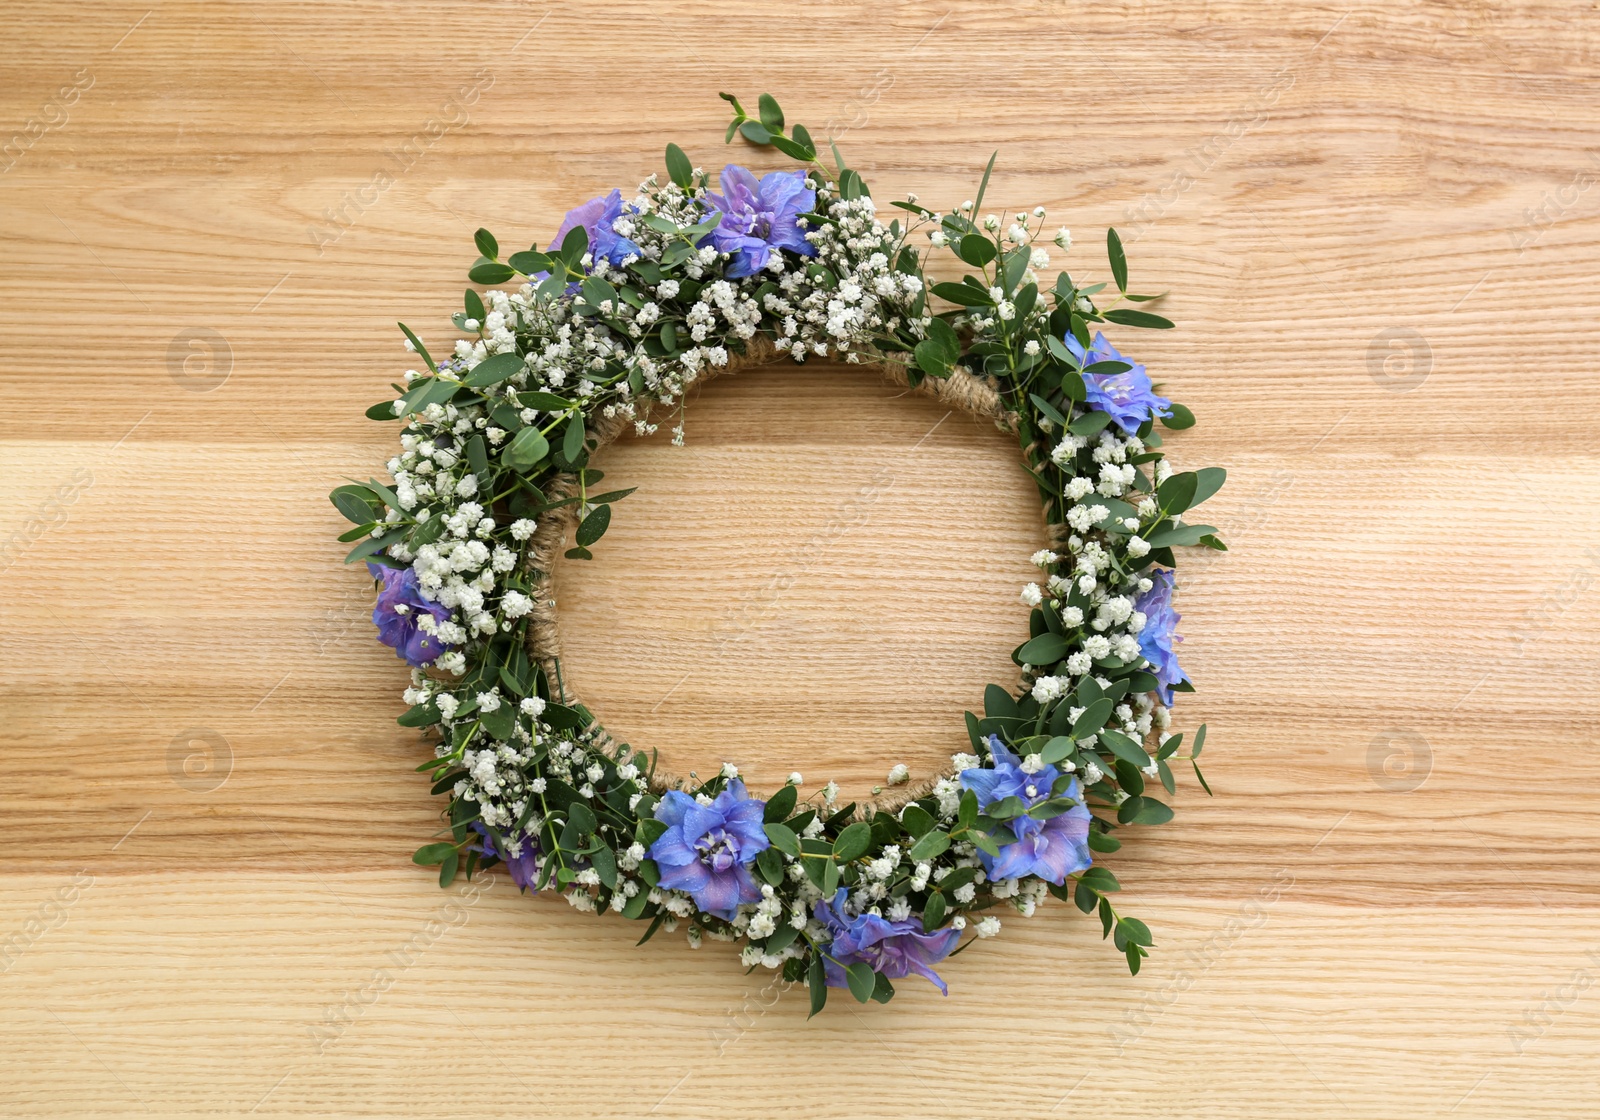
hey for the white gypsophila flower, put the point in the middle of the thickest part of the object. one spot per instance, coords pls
(899, 774)
(1031, 595)
(1046, 689)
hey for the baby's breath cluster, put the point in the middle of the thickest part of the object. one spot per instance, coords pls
(609, 326)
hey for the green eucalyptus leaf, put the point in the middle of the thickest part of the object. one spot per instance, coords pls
(544, 402)
(1179, 419)
(1093, 718)
(783, 838)
(478, 456)
(930, 846)
(862, 981)
(1058, 749)
(529, 262)
(572, 442)
(1047, 649)
(1208, 481)
(1119, 261)
(494, 369)
(771, 115)
(679, 169)
(1090, 423)
(355, 508)
(430, 854)
(594, 526)
(1179, 535)
(931, 358)
(1128, 317)
(976, 250)
(964, 294)
(853, 842)
(526, 450)
(803, 138)
(781, 804)
(1048, 409)
(490, 273)
(1176, 494)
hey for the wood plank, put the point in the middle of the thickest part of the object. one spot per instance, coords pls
(1378, 227)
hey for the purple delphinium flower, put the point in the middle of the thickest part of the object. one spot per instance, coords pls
(522, 867)
(707, 849)
(896, 949)
(1051, 849)
(760, 217)
(1128, 396)
(596, 217)
(400, 604)
(1157, 639)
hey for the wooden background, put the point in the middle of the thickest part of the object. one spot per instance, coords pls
(1379, 227)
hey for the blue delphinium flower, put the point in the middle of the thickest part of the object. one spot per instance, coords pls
(1128, 396)
(760, 217)
(596, 217)
(1051, 849)
(1157, 639)
(896, 949)
(400, 605)
(707, 849)
(522, 867)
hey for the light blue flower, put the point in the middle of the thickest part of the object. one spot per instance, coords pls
(1157, 639)
(707, 849)
(895, 949)
(596, 217)
(760, 217)
(400, 607)
(1051, 849)
(522, 867)
(1128, 397)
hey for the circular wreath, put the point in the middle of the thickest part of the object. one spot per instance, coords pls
(605, 330)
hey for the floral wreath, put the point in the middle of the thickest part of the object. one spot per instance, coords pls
(633, 302)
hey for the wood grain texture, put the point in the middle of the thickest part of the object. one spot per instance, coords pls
(1378, 224)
